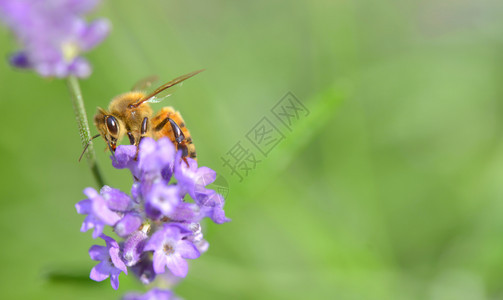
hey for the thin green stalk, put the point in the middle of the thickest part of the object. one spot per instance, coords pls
(85, 134)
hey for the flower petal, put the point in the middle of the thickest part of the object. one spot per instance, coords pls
(80, 67)
(98, 252)
(187, 250)
(133, 247)
(101, 211)
(116, 199)
(98, 230)
(116, 259)
(159, 262)
(205, 176)
(114, 280)
(128, 224)
(99, 272)
(177, 265)
(93, 34)
(84, 207)
(155, 241)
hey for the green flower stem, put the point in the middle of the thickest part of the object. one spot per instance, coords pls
(85, 134)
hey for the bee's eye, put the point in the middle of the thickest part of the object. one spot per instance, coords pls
(112, 125)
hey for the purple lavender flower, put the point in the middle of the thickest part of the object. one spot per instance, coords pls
(97, 211)
(164, 198)
(110, 264)
(53, 34)
(154, 294)
(155, 218)
(213, 207)
(192, 180)
(170, 249)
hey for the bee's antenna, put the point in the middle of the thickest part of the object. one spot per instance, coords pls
(87, 145)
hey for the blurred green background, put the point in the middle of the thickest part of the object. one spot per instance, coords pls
(391, 188)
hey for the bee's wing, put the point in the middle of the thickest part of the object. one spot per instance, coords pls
(144, 83)
(164, 94)
(162, 91)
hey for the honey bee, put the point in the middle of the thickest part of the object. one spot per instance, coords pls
(130, 114)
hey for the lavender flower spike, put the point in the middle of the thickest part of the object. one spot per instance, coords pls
(158, 222)
(52, 34)
(110, 264)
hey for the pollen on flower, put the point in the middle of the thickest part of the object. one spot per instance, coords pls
(168, 249)
(145, 227)
(70, 51)
(165, 219)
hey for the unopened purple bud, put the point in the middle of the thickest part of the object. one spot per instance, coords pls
(144, 270)
(133, 247)
(115, 199)
(20, 60)
(125, 157)
(128, 224)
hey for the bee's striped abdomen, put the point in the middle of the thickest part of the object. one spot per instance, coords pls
(163, 129)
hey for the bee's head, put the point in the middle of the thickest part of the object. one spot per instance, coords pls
(109, 126)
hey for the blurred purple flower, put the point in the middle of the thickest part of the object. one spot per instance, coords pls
(171, 250)
(154, 294)
(52, 34)
(110, 264)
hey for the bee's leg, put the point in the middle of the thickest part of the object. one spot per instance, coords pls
(178, 134)
(143, 133)
(131, 137)
(179, 138)
(177, 131)
(144, 127)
